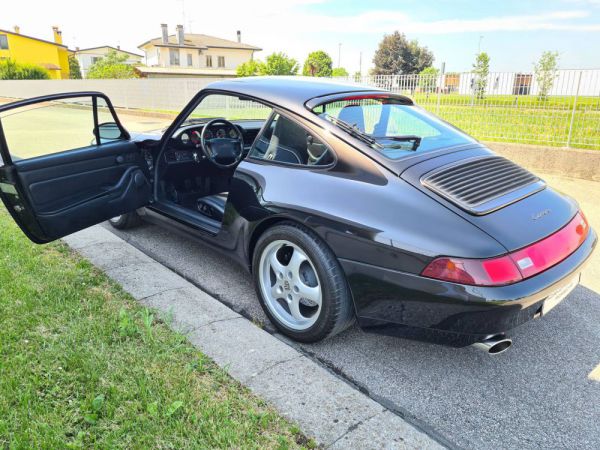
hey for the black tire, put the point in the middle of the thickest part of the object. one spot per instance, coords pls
(125, 221)
(337, 310)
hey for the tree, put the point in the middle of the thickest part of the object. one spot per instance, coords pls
(397, 55)
(112, 66)
(318, 64)
(249, 68)
(279, 64)
(546, 71)
(74, 69)
(428, 79)
(12, 70)
(339, 72)
(481, 69)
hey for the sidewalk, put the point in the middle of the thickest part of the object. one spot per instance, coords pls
(325, 407)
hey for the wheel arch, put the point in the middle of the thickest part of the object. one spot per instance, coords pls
(263, 226)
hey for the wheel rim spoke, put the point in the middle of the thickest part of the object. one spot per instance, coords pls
(294, 306)
(310, 293)
(275, 291)
(277, 267)
(294, 265)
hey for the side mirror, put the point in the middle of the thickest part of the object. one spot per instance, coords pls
(109, 131)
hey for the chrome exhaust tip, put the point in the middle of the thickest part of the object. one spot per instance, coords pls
(494, 345)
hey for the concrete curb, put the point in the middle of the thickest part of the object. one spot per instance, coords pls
(324, 406)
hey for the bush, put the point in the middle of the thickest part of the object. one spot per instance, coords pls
(339, 72)
(112, 66)
(12, 70)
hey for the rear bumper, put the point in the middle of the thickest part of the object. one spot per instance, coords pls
(407, 305)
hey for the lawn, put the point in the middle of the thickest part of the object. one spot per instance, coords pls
(521, 119)
(82, 365)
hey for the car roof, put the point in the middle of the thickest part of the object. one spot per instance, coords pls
(289, 92)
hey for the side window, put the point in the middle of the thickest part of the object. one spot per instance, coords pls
(208, 61)
(3, 42)
(55, 126)
(287, 142)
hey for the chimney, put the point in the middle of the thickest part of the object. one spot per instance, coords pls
(180, 35)
(57, 35)
(17, 29)
(165, 33)
(77, 49)
(118, 47)
(239, 36)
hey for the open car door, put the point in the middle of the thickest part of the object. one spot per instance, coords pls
(68, 163)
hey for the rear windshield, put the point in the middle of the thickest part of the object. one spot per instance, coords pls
(391, 126)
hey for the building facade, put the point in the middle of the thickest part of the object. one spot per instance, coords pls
(193, 55)
(52, 56)
(88, 56)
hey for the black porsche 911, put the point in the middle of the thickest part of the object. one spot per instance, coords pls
(345, 203)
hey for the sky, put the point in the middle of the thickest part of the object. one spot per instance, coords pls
(513, 32)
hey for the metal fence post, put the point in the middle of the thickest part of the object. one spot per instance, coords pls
(439, 88)
(574, 110)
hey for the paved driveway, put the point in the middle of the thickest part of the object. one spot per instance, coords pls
(540, 394)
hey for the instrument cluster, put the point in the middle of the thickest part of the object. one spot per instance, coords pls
(191, 137)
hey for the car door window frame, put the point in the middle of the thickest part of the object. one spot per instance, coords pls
(5, 150)
(269, 121)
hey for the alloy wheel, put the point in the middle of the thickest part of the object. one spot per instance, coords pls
(290, 285)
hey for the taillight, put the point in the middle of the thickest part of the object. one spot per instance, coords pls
(515, 266)
(481, 272)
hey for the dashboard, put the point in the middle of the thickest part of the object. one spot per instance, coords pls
(185, 144)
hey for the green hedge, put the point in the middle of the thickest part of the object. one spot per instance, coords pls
(12, 70)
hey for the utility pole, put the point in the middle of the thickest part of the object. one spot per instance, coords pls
(183, 22)
(360, 63)
(479, 46)
(340, 54)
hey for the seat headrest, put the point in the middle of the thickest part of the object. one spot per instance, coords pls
(354, 115)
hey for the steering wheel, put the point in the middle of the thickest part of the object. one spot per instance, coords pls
(223, 152)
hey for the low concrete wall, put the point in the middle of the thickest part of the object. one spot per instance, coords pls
(570, 162)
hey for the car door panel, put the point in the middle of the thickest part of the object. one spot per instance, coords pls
(132, 190)
(62, 180)
(53, 195)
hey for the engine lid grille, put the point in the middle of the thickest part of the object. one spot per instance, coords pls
(484, 184)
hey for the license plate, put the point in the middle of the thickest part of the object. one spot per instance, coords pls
(558, 296)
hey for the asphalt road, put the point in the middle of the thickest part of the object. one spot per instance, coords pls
(539, 394)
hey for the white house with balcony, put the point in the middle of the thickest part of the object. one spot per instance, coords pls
(88, 56)
(193, 55)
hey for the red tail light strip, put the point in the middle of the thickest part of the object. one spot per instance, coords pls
(515, 266)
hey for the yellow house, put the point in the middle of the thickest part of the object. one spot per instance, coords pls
(53, 56)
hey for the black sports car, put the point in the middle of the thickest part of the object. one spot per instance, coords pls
(345, 202)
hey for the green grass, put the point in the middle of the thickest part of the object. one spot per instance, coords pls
(83, 366)
(521, 119)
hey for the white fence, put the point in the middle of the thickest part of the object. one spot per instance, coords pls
(564, 83)
(564, 110)
(169, 94)
(506, 106)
